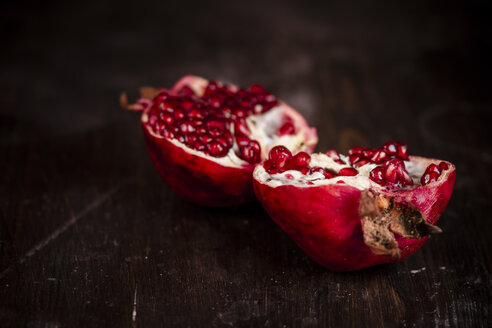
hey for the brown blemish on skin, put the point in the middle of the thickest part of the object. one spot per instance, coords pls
(382, 217)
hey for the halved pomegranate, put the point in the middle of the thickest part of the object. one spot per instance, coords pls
(351, 212)
(205, 137)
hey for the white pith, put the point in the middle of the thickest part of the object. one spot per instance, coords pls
(263, 128)
(361, 181)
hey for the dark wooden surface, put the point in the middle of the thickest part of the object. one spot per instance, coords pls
(90, 236)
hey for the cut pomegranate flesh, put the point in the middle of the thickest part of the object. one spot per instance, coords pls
(204, 137)
(348, 217)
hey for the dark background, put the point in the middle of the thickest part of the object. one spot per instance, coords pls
(87, 226)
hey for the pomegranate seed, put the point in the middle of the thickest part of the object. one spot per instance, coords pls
(316, 169)
(255, 145)
(256, 88)
(214, 132)
(179, 114)
(304, 170)
(199, 146)
(301, 159)
(379, 156)
(340, 182)
(348, 171)
(395, 173)
(356, 150)
(187, 103)
(279, 155)
(216, 149)
(433, 168)
(287, 129)
(428, 178)
(191, 139)
(367, 153)
(201, 130)
(240, 127)
(402, 150)
(228, 137)
(195, 113)
(362, 162)
(186, 91)
(242, 141)
(168, 134)
(333, 154)
(391, 148)
(186, 127)
(444, 166)
(167, 118)
(249, 154)
(153, 119)
(205, 138)
(377, 175)
(239, 113)
(355, 158)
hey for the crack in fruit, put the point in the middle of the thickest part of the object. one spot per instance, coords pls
(382, 217)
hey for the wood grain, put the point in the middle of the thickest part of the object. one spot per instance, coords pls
(90, 236)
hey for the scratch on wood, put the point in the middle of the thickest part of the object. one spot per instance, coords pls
(58, 231)
(134, 313)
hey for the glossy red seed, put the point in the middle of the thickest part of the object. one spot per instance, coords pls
(391, 148)
(256, 88)
(301, 159)
(348, 171)
(186, 91)
(255, 145)
(355, 158)
(199, 146)
(356, 150)
(279, 155)
(362, 162)
(239, 113)
(216, 149)
(402, 151)
(367, 153)
(428, 178)
(205, 138)
(304, 170)
(195, 113)
(167, 118)
(287, 129)
(214, 132)
(179, 114)
(379, 156)
(249, 154)
(191, 139)
(443, 166)
(242, 141)
(377, 175)
(333, 154)
(168, 134)
(240, 127)
(186, 127)
(433, 168)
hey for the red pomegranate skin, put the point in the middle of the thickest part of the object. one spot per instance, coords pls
(197, 179)
(324, 220)
(200, 179)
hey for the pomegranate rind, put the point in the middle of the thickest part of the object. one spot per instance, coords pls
(200, 178)
(324, 220)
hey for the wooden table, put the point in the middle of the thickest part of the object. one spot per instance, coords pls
(91, 237)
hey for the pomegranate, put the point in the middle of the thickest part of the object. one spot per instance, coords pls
(205, 137)
(350, 212)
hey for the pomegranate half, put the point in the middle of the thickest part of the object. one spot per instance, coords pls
(205, 137)
(351, 212)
